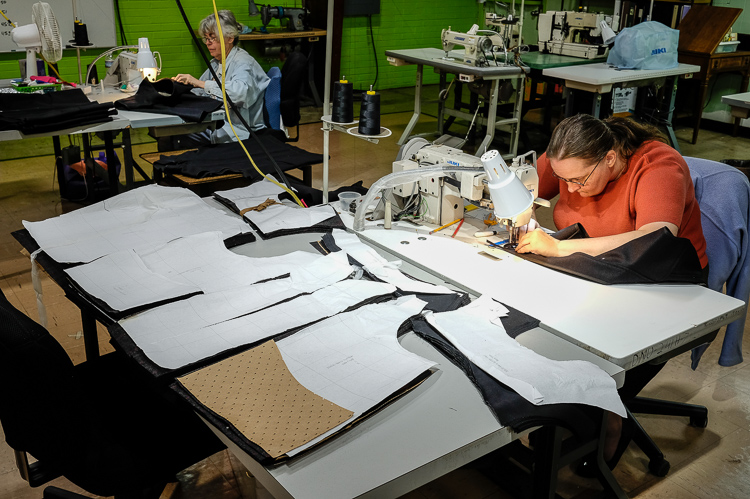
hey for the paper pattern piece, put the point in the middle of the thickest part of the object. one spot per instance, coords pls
(382, 268)
(258, 395)
(354, 359)
(281, 217)
(140, 218)
(251, 195)
(187, 331)
(204, 261)
(123, 282)
(477, 332)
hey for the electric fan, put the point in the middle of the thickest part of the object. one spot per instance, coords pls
(43, 35)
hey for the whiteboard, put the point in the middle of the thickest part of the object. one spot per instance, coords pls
(98, 15)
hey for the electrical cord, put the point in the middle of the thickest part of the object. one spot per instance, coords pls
(374, 52)
(228, 102)
(123, 38)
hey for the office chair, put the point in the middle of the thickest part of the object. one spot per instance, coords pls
(292, 76)
(101, 424)
(723, 194)
(272, 99)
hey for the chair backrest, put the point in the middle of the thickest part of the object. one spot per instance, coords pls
(35, 379)
(293, 74)
(723, 194)
(272, 99)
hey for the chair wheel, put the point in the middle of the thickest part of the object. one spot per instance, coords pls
(699, 421)
(658, 467)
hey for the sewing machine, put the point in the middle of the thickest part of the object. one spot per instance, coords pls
(124, 71)
(442, 198)
(297, 17)
(577, 34)
(477, 48)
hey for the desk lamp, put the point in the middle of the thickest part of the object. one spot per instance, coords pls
(145, 61)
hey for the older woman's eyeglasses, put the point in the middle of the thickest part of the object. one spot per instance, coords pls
(209, 40)
(577, 180)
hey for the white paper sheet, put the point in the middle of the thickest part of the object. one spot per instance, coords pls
(183, 332)
(203, 260)
(278, 217)
(380, 267)
(251, 195)
(477, 332)
(140, 218)
(123, 282)
(354, 359)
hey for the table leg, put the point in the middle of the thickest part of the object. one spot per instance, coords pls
(441, 103)
(311, 75)
(518, 114)
(114, 180)
(699, 109)
(596, 107)
(62, 185)
(670, 114)
(491, 119)
(127, 160)
(90, 336)
(417, 107)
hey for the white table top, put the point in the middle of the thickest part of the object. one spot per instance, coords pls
(436, 58)
(625, 324)
(737, 100)
(599, 77)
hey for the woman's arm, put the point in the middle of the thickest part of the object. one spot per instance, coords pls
(541, 243)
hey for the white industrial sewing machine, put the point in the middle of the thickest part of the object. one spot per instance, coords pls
(577, 34)
(478, 49)
(441, 198)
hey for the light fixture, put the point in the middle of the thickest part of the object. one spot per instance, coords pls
(252, 8)
(509, 196)
(145, 60)
(608, 36)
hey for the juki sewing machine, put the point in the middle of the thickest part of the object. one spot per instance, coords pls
(577, 34)
(441, 199)
(478, 49)
(297, 17)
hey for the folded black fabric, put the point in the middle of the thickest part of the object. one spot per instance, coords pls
(656, 258)
(43, 113)
(510, 408)
(222, 159)
(167, 96)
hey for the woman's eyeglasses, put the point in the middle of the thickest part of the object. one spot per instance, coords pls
(209, 40)
(575, 181)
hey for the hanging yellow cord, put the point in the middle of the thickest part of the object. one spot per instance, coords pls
(40, 54)
(220, 36)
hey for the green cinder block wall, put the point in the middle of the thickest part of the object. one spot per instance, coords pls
(399, 25)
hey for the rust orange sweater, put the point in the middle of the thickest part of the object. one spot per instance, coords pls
(656, 187)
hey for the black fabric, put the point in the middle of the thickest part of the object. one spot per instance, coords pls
(222, 159)
(293, 73)
(655, 258)
(43, 113)
(314, 197)
(327, 225)
(167, 96)
(102, 424)
(509, 408)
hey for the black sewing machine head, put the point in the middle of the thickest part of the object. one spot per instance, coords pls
(297, 18)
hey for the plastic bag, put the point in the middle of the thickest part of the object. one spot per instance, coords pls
(648, 45)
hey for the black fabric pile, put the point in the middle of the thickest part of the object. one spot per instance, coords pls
(167, 96)
(656, 258)
(43, 113)
(222, 159)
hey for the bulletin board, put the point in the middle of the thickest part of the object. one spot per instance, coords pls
(98, 15)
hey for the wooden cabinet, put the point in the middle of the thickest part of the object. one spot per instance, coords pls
(701, 30)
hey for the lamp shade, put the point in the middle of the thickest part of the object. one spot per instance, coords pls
(608, 36)
(145, 60)
(509, 196)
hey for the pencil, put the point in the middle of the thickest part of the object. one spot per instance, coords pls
(458, 228)
(446, 225)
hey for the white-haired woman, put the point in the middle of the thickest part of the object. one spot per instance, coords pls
(245, 84)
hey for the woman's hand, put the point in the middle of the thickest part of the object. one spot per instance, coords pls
(539, 242)
(189, 80)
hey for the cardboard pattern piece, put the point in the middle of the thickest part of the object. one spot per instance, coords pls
(257, 394)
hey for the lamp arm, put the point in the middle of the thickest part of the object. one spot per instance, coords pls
(105, 54)
(403, 177)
